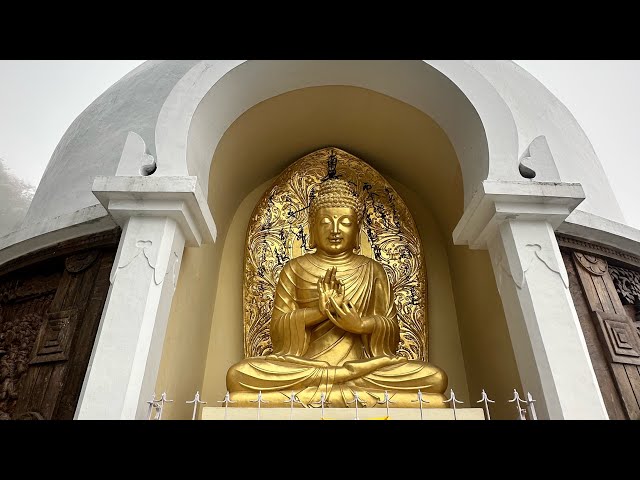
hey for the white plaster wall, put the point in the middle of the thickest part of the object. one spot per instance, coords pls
(159, 96)
(536, 111)
(511, 103)
(92, 145)
(214, 93)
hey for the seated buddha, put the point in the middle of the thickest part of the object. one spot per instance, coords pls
(334, 328)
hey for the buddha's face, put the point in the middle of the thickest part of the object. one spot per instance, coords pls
(336, 230)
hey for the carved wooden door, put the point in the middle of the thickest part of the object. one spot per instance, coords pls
(611, 329)
(49, 315)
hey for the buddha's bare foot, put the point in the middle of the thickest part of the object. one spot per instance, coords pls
(360, 368)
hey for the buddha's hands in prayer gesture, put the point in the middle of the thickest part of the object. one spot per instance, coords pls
(346, 316)
(329, 287)
(332, 304)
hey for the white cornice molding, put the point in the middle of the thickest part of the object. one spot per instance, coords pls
(31, 238)
(498, 201)
(593, 228)
(177, 197)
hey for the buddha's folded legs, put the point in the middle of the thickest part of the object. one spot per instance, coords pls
(267, 374)
(411, 375)
(278, 377)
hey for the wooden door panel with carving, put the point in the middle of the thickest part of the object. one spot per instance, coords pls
(49, 315)
(612, 334)
(599, 360)
(23, 307)
(85, 337)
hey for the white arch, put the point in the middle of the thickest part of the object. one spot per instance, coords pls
(213, 94)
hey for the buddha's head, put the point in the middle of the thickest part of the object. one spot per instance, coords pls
(334, 218)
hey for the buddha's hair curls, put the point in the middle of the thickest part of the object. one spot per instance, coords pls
(335, 193)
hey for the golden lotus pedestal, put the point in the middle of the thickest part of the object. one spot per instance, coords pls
(218, 413)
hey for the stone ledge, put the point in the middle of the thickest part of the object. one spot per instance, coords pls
(218, 413)
(178, 197)
(499, 201)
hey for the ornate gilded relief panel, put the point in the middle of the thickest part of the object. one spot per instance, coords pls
(278, 231)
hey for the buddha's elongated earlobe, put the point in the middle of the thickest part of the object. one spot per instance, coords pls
(312, 242)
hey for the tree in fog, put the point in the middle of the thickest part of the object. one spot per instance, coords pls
(15, 197)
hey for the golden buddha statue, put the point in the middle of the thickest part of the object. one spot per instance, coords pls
(334, 328)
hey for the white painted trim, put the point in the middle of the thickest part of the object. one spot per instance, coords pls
(158, 216)
(213, 94)
(179, 198)
(497, 201)
(125, 359)
(515, 221)
(548, 343)
(590, 227)
(35, 237)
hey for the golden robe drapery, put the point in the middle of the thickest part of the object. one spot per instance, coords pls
(325, 358)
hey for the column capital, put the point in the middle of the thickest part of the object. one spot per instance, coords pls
(498, 201)
(176, 197)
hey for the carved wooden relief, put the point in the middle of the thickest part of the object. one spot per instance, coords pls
(81, 261)
(576, 244)
(627, 284)
(55, 336)
(599, 291)
(595, 265)
(621, 338)
(23, 303)
(50, 307)
(28, 416)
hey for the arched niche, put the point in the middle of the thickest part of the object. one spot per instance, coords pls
(468, 334)
(214, 94)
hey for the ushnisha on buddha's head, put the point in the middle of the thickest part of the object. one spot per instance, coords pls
(335, 214)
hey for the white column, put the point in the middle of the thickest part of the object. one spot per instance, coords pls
(158, 216)
(126, 357)
(547, 339)
(515, 221)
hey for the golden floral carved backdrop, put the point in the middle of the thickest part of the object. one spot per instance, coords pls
(279, 230)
